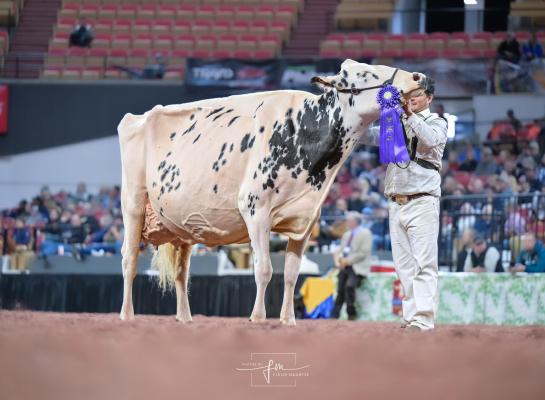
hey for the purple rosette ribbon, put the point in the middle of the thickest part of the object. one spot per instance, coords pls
(392, 147)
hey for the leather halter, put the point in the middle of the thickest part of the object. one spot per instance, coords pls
(355, 91)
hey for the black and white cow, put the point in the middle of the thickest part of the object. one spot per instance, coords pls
(231, 170)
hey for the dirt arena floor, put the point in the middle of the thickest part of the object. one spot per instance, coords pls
(97, 356)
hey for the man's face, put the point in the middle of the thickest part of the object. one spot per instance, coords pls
(479, 248)
(528, 243)
(419, 101)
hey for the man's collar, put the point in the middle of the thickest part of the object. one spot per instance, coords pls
(425, 113)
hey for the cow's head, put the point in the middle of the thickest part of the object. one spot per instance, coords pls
(357, 85)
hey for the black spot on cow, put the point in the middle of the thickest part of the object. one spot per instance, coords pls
(222, 114)
(233, 120)
(255, 175)
(244, 143)
(216, 165)
(161, 211)
(231, 148)
(224, 161)
(277, 191)
(178, 186)
(251, 202)
(190, 128)
(197, 138)
(344, 82)
(154, 184)
(315, 146)
(345, 73)
(215, 189)
(289, 112)
(258, 107)
(169, 153)
(192, 116)
(161, 165)
(172, 135)
(251, 143)
(351, 101)
(215, 111)
(262, 129)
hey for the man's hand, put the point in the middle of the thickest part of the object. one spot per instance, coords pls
(342, 263)
(518, 268)
(406, 108)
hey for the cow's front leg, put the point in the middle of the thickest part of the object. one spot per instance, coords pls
(259, 231)
(183, 313)
(291, 272)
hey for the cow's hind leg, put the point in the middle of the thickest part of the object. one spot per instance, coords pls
(183, 313)
(291, 272)
(133, 220)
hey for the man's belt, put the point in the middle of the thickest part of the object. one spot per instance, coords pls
(425, 164)
(403, 199)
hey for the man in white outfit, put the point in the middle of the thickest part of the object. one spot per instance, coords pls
(414, 190)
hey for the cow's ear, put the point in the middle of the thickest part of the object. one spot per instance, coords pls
(348, 62)
(322, 82)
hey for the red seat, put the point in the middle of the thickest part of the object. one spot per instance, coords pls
(263, 55)
(430, 53)
(451, 53)
(219, 54)
(391, 53)
(330, 54)
(368, 53)
(242, 54)
(472, 53)
(410, 53)
(459, 35)
(483, 35)
(418, 36)
(200, 54)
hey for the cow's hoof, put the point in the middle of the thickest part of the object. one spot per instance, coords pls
(257, 320)
(288, 321)
(185, 320)
(126, 316)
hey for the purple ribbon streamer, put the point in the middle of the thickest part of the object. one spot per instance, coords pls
(392, 141)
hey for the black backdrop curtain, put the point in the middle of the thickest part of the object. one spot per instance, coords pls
(231, 296)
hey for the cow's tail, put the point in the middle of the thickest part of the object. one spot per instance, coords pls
(165, 260)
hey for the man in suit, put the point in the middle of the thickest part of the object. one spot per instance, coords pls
(354, 261)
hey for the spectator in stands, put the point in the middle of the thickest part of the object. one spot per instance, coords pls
(20, 244)
(484, 225)
(514, 121)
(532, 256)
(464, 255)
(81, 193)
(485, 258)
(541, 170)
(355, 203)
(534, 184)
(354, 261)
(532, 49)
(82, 35)
(440, 110)
(155, 69)
(470, 163)
(509, 49)
(487, 165)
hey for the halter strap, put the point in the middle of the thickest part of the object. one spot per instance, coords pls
(355, 91)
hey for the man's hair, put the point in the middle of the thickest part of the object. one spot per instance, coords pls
(428, 85)
(354, 215)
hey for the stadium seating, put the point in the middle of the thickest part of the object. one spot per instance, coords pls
(417, 45)
(129, 32)
(372, 15)
(528, 13)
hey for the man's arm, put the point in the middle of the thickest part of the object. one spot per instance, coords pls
(491, 259)
(539, 265)
(429, 134)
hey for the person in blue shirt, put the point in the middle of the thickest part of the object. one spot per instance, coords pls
(532, 49)
(532, 256)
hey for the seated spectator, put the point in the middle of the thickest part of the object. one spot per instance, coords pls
(534, 184)
(469, 164)
(541, 170)
(156, 69)
(20, 244)
(355, 202)
(532, 49)
(487, 165)
(485, 225)
(82, 35)
(509, 49)
(532, 256)
(463, 258)
(514, 121)
(484, 258)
